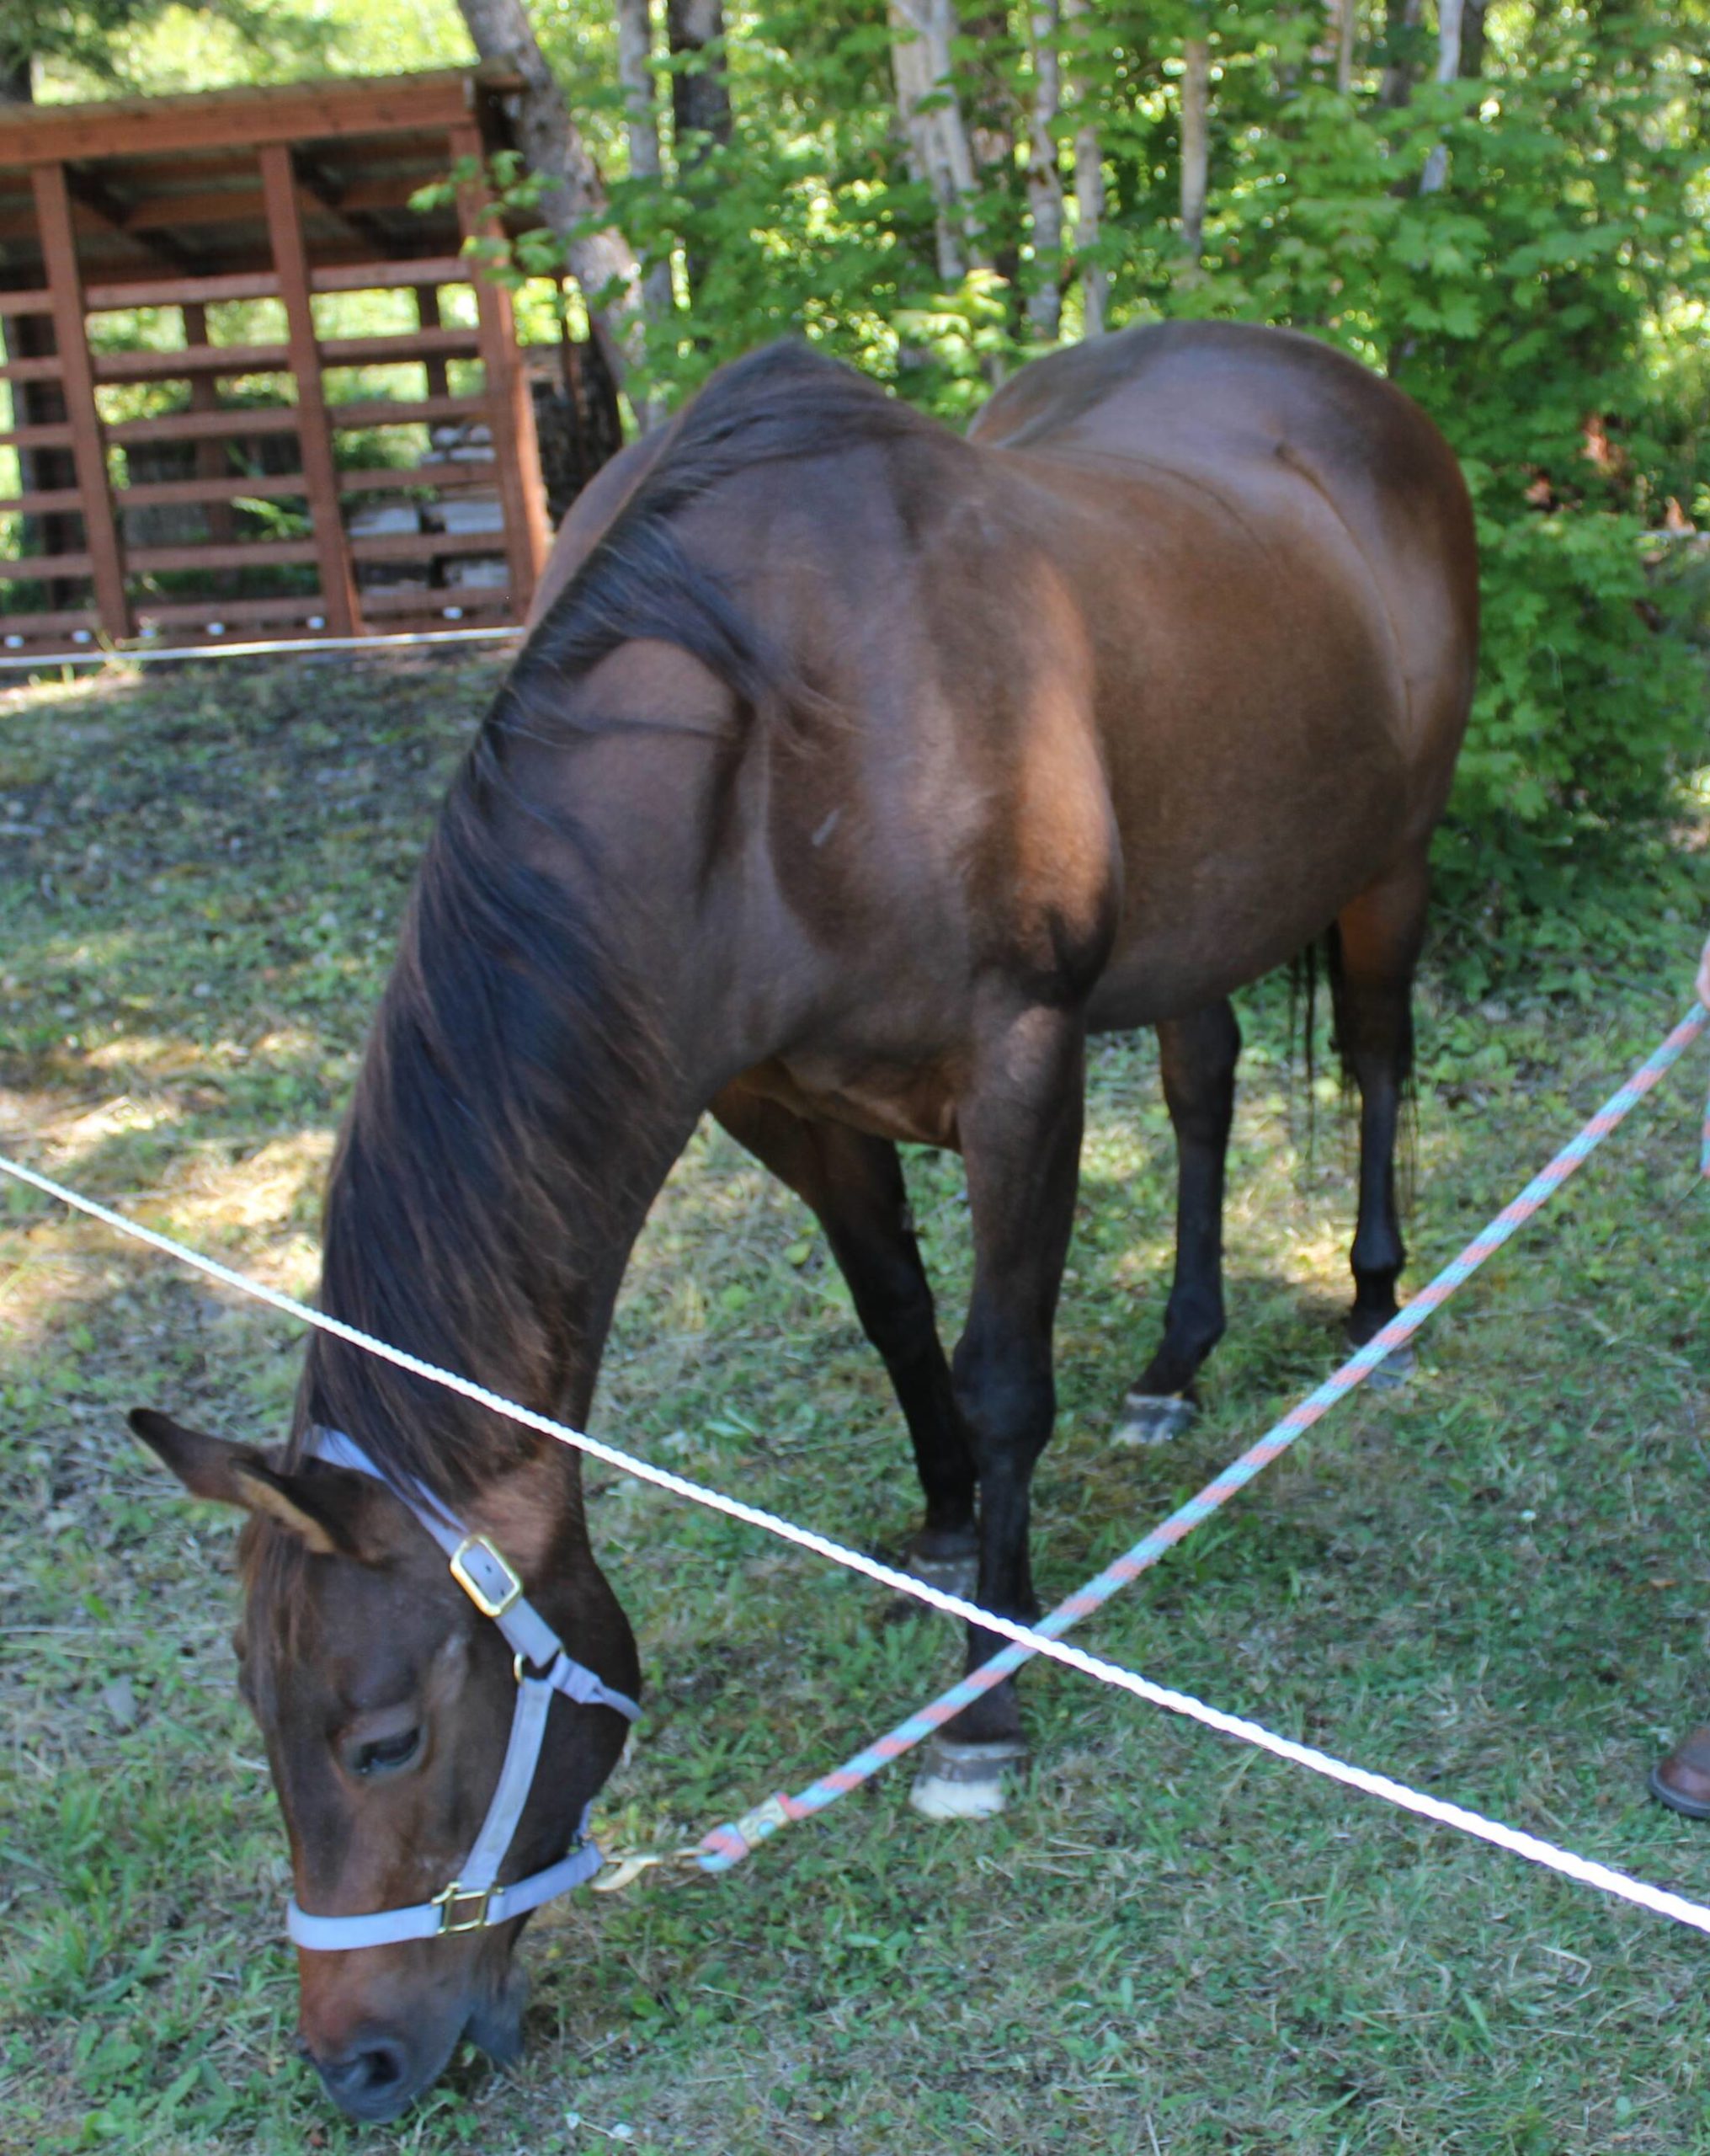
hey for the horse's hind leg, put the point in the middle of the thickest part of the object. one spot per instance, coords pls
(1376, 948)
(1198, 1055)
(854, 1185)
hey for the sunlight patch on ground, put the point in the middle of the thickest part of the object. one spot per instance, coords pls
(267, 1205)
(153, 1055)
(261, 1210)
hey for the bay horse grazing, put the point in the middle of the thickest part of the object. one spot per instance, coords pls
(854, 774)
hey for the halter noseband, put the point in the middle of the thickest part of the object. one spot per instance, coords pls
(543, 1666)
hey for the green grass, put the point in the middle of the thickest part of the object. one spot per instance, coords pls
(1494, 1584)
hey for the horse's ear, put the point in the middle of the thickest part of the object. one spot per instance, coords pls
(265, 1492)
(204, 1465)
(238, 1475)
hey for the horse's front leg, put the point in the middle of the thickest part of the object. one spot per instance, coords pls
(1020, 1128)
(854, 1183)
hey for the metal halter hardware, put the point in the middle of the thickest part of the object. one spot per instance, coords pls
(542, 1667)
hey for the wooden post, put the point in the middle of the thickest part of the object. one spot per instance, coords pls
(59, 250)
(510, 409)
(211, 462)
(428, 317)
(314, 431)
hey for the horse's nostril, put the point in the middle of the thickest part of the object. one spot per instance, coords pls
(385, 2065)
(366, 2074)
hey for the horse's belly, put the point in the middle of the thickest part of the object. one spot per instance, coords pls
(1211, 903)
(912, 1103)
(1259, 753)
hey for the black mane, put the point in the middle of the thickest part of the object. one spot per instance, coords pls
(512, 1033)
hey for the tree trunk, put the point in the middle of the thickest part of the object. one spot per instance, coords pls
(700, 115)
(1044, 181)
(938, 143)
(991, 111)
(1401, 19)
(1436, 169)
(1335, 51)
(1473, 40)
(602, 262)
(700, 91)
(1196, 97)
(1089, 199)
(635, 72)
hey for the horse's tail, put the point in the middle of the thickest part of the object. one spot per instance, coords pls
(1323, 956)
(1303, 975)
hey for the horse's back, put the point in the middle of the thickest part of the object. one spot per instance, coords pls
(1228, 396)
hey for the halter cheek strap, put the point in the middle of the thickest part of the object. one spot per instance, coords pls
(544, 1667)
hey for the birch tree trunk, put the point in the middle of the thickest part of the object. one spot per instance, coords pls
(1448, 69)
(602, 261)
(939, 153)
(1335, 50)
(635, 72)
(1196, 97)
(1089, 199)
(1044, 181)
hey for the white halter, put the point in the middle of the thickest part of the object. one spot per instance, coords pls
(543, 1667)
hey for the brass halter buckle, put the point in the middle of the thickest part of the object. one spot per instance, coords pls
(484, 1575)
(447, 1903)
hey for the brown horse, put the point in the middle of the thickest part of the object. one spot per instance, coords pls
(854, 774)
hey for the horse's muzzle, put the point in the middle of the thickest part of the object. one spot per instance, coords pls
(379, 2070)
(374, 2077)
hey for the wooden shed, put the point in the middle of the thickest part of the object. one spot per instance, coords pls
(249, 495)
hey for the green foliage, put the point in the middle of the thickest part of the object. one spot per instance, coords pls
(91, 45)
(1586, 706)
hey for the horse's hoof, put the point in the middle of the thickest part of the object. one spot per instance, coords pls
(1397, 1366)
(1151, 1419)
(957, 1576)
(965, 1781)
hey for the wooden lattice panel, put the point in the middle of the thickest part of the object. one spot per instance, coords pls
(184, 203)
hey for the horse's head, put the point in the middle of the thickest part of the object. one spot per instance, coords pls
(390, 1695)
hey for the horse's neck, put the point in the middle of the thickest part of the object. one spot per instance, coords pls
(532, 1077)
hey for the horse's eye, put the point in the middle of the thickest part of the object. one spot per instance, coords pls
(385, 1755)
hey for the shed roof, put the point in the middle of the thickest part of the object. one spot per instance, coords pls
(169, 185)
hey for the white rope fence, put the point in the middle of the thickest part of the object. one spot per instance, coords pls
(1587, 1873)
(100, 654)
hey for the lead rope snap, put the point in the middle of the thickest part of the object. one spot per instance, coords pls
(621, 1871)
